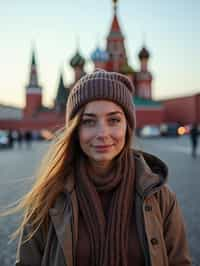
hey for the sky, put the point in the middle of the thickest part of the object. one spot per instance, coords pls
(170, 30)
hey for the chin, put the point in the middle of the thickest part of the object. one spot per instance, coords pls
(103, 157)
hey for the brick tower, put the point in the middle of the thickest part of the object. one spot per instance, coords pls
(33, 91)
(143, 78)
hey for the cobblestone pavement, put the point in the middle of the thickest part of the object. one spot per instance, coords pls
(17, 167)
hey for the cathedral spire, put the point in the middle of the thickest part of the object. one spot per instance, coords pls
(115, 44)
(115, 6)
(115, 23)
(33, 76)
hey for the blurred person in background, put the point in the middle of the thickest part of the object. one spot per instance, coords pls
(194, 139)
(28, 138)
(19, 138)
(10, 138)
(96, 200)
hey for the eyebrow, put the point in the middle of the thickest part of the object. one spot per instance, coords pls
(109, 114)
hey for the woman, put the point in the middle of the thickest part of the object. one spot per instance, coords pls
(97, 201)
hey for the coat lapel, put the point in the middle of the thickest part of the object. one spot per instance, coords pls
(61, 216)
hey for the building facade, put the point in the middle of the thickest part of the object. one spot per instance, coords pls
(113, 58)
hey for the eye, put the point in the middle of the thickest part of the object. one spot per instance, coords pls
(88, 122)
(114, 120)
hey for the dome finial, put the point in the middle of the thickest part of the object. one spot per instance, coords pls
(77, 43)
(115, 5)
(144, 37)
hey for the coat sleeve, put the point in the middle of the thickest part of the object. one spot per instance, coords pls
(175, 234)
(30, 252)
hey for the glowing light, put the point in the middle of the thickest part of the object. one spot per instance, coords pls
(181, 131)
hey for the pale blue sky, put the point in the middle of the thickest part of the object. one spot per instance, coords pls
(171, 30)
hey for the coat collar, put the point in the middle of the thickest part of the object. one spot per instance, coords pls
(151, 173)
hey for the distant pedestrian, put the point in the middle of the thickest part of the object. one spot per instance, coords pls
(28, 138)
(10, 138)
(194, 139)
(19, 138)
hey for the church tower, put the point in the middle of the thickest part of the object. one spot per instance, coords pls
(62, 95)
(143, 77)
(33, 90)
(115, 44)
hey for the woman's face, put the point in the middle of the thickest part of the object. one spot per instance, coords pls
(102, 130)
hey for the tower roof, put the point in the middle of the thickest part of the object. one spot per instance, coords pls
(33, 61)
(115, 30)
(115, 24)
(144, 53)
(77, 60)
(33, 76)
(62, 93)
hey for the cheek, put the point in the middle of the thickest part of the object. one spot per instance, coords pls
(120, 134)
(84, 136)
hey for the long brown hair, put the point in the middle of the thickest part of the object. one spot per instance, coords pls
(50, 179)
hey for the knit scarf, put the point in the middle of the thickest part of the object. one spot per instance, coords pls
(108, 236)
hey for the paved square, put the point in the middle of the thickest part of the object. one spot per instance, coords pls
(17, 168)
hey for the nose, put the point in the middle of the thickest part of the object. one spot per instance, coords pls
(102, 131)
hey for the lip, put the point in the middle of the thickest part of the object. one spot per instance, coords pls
(102, 148)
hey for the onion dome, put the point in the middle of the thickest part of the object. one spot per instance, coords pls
(126, 69)
(144, 54)
(99, 55)
(77, 60)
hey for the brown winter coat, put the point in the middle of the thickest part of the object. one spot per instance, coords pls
(159, 223)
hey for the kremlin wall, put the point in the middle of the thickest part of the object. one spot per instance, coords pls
(35, 116)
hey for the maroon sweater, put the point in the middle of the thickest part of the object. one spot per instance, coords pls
(135, 256)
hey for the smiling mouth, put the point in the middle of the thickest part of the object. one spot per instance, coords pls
(102, 148)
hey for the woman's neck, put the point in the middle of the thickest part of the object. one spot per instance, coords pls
(100, 169)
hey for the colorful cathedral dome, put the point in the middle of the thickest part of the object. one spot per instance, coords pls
(144, 53)
(77, 60)
(99, 55)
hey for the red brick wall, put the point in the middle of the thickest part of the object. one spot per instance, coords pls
(54, 121)
(149, 116)
(30, 124)
(183, 110)
(198, 108)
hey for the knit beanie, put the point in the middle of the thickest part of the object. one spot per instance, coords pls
(102, 85)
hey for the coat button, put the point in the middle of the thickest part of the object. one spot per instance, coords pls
(148, 208)
(154, 241)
